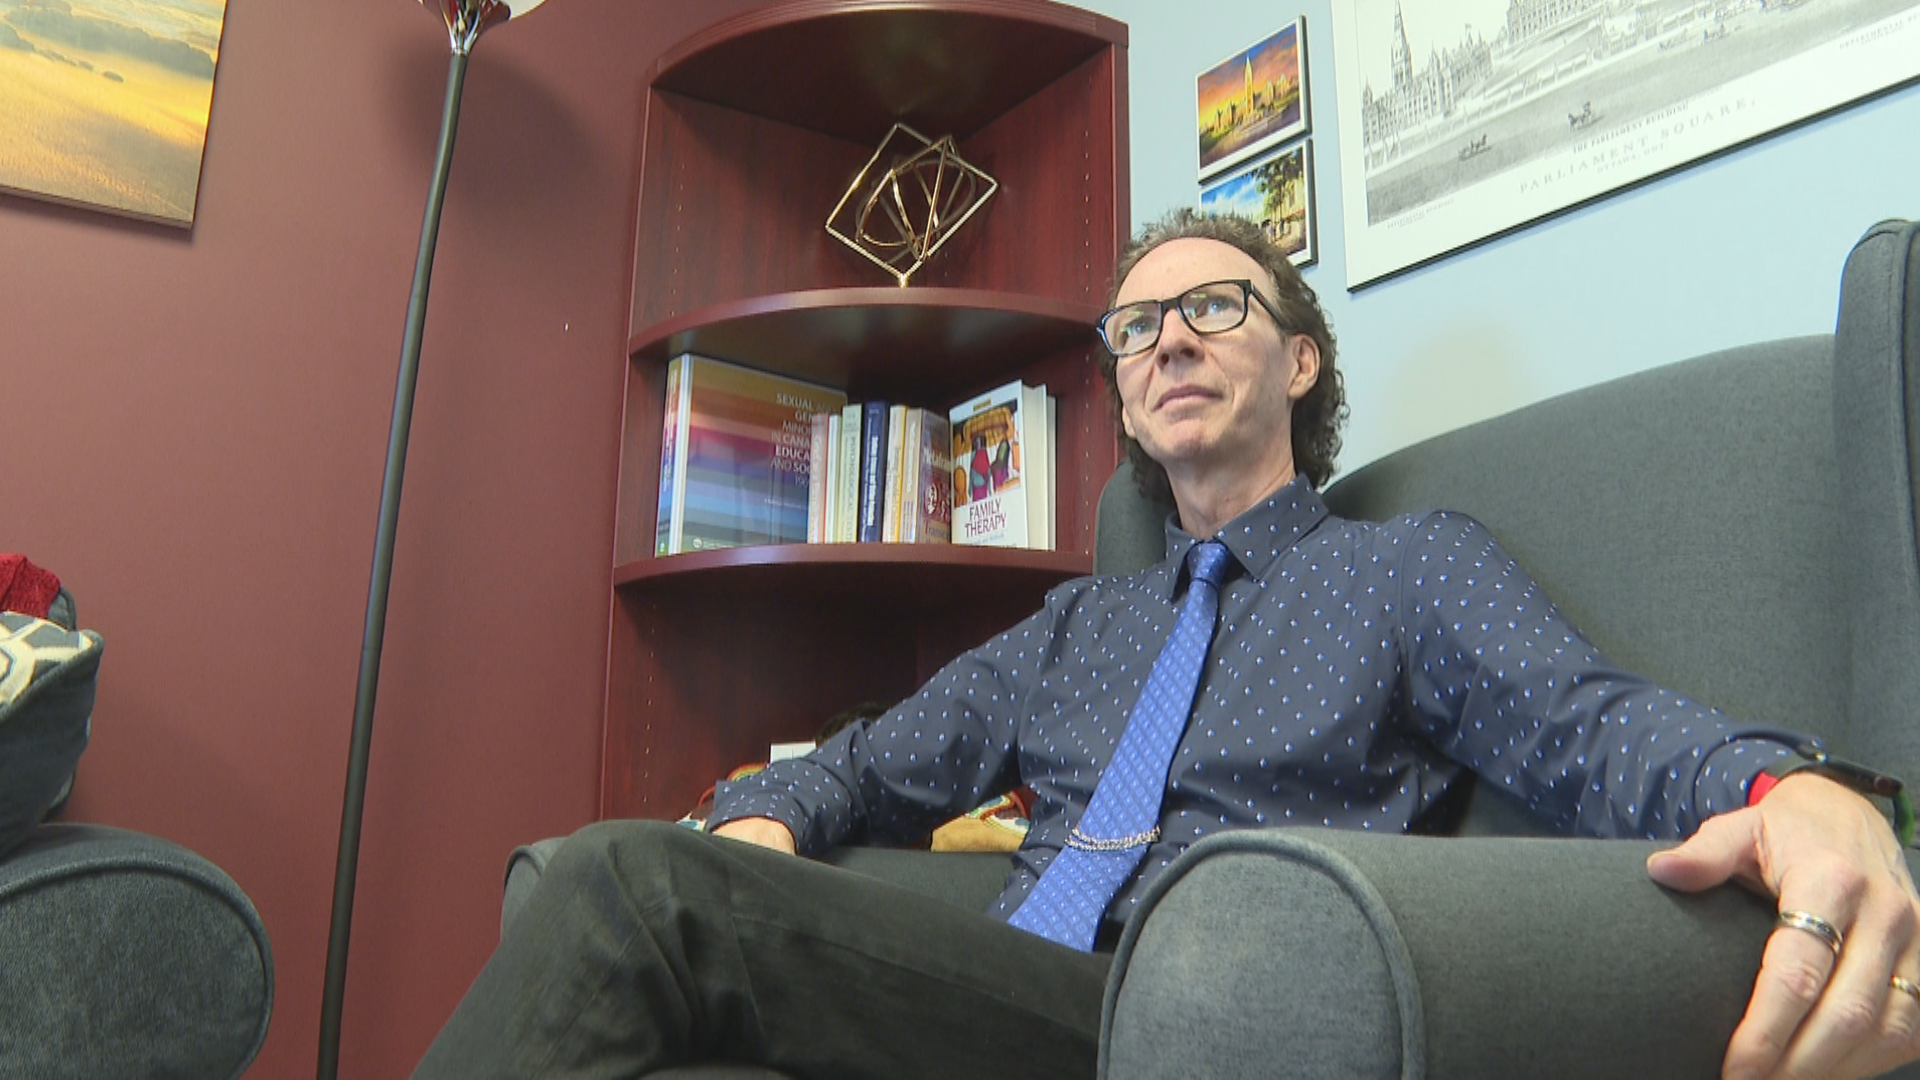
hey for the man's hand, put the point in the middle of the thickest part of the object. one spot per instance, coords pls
(1822, 849)
(759, 830)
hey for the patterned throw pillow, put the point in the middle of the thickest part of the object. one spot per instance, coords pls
(47, 679)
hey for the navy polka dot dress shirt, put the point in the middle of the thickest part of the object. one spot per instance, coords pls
(1357, 670)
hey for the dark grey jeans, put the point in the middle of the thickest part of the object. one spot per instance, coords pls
(647, 945)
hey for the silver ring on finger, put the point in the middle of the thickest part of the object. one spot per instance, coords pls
(1815, 925)
(1906, 986)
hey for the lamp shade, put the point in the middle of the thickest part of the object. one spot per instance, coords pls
(491, 10)
(467, 19)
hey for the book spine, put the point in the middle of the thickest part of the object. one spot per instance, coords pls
(1036, 449)
(817, 457)
(1053, 474)
(935, 511)
(847, 527)
(873, 470)
(896, 457)
(665, 520)
(830, 464)
(908, 483)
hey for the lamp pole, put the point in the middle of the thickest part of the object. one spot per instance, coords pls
(466, 20)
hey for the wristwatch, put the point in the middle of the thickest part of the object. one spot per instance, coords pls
(1812, 757)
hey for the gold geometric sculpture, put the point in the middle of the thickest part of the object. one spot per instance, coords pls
(913, 194)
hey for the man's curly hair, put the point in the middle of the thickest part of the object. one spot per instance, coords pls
(1317, 417)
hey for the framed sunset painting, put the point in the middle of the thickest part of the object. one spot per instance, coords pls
(1254, 100)
(104, 103)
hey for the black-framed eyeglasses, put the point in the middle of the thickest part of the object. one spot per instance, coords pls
(1213, 308)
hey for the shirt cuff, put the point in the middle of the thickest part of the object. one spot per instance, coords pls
(1726, 780)
(731, 804)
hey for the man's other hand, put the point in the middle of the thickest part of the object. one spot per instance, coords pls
(758, 830)
(1818, 848)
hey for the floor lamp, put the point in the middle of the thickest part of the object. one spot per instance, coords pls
(466, 20)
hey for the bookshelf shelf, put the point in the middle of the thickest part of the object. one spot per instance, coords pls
(752, 129)
(878, 341)
(941, 573)
(851, 69)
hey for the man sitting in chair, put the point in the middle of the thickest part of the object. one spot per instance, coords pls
(1280, 667)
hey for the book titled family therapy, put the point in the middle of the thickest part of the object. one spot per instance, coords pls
(1003, 465)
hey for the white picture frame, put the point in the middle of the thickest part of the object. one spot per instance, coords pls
(1461, 120)
(1276, 192)
(1253, 101)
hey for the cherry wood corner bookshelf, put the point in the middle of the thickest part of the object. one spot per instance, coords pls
(752, 129)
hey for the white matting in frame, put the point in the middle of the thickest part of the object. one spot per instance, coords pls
(1463, 119)
(1277, 193)
(1254, 100)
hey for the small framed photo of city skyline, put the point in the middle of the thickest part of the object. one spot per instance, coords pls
(1254, 100)
(1276, 192)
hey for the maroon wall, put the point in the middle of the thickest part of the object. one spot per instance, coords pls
(196, 425)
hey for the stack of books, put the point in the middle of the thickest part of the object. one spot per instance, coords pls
(752, 458)
(982, 473)
(885, 476)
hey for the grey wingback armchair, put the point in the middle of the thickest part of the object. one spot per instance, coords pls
(121, 954)
(1740, 526)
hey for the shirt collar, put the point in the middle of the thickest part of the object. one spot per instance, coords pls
(1258, 538)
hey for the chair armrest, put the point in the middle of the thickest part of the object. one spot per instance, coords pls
(525, 866)
(1317, 953)
(127, 955)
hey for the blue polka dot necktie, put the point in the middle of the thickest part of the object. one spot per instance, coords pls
(1124, 815)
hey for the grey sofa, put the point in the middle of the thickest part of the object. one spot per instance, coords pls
(121, 954)
(1740, 526)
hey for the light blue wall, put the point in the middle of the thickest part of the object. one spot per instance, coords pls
(1741, 248)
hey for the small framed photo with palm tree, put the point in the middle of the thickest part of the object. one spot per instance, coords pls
(1277, 193)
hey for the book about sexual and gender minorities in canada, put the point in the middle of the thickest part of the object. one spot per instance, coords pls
(998, 500)
(734, 455)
